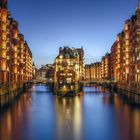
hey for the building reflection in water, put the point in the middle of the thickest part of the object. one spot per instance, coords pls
(69, 117)
(126, 114)
(11, 121)
(97, 114)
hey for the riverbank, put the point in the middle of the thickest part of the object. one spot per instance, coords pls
(114, 87)
(8, 95)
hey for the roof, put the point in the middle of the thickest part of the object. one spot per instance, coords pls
(68, 53)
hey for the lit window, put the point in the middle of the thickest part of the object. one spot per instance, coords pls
(61, 56)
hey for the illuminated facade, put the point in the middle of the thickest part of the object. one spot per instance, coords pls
(81, 63)
(113, 61)
(15, 56)
(88, 72)
(45, 72)
(93, 71)
(128, 55)
(3, 40)
(69, 68)
(105, 72)
(123, 63)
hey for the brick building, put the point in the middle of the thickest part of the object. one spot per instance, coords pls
(93, 71)
(15, 55)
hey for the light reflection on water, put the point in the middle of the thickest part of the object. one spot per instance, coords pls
(69, 117)
(97, 114)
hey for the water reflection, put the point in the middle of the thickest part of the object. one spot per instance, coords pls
(69, 117)
(11, 119)
(97, 114)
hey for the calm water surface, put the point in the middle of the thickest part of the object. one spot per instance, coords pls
(96, 115)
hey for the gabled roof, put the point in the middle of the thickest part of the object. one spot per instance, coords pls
(68, 53)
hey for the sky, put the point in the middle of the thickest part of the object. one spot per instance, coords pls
(50, 24)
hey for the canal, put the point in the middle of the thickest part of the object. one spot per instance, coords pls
(95, 115)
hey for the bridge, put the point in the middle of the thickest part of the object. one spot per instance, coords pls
(39, 82)
(100, 82)
(84, 82)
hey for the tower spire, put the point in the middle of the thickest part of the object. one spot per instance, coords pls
(3, 4)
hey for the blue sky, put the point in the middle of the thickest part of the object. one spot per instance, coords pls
(50, 24)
